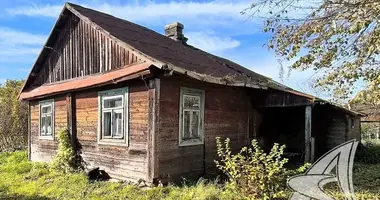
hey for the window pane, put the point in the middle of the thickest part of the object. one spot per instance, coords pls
(45, 109)
(186, 124)
(117, 126)
(113, 103)
(107, 124)
(191, 102)
(195, 124)
(48, 125)
(43, 126)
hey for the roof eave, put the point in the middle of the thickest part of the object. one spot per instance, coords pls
(210, 78)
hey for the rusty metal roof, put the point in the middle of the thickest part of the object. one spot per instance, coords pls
(110, 77)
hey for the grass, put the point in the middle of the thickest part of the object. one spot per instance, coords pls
(21, 179)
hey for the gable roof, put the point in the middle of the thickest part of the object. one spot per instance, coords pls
(167, 51)
(164, 53)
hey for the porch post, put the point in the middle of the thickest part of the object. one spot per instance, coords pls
(29, 132)
(153, 127)
(71, 119)
(308, 134)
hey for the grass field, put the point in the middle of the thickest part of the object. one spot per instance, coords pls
(21, 179)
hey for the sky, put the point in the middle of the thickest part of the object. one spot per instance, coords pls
(215, 26)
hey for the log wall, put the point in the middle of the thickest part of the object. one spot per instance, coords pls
(123, 162)
(226, 115)
(42, 149)
(127, 163)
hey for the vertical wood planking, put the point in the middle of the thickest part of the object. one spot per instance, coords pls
(81, 50)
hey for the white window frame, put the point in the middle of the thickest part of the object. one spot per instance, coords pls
(198, 94)
(113, 94)
(42, 104)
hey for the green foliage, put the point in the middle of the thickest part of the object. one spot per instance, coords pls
(252, 173)
(36, 181)
(21, 179)
(13, 117)
(368, 153)
(370, 131)
(64, 160)
(338, 39)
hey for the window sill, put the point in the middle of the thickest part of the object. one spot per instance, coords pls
(50, 137)
(190, 143)
(121, 143)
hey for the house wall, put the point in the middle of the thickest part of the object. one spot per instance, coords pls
(226, 115)
(42, 149)
(128, 163)
(332, 127)
(123, 162)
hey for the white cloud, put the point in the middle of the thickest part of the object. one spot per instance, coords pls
(210, 42)
(16, 37)
(2, 80)
(19, 46)
(145, 11)
(36, 10)
(195, 15)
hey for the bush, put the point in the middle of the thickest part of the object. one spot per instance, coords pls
(13, 117)
(368, 153)
(64, 160)
(253, 174)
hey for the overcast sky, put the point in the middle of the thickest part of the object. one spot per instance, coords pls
(214, 26)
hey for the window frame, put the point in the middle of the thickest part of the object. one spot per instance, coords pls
(108, 95)
(184, 91)
(42, 104)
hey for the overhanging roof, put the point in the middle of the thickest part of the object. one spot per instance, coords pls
(158, 50)
(111, 77)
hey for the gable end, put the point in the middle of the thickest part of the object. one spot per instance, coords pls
(79, 50)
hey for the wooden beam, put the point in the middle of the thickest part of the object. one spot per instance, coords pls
(308, 134)
(71, 118)
(153, 127)
(29, 131)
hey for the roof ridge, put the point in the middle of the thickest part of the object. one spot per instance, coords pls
(204, 53)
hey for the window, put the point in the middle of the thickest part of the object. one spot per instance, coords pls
(46, 124)
(113, 116)
(191, 117)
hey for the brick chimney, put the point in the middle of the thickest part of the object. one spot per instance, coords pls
(175, 32)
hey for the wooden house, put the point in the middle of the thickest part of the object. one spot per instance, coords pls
(142, 105)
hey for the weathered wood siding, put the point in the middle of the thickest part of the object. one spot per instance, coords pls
(332, 127)
(43, 149)
(276, 98)
(354, 128)
(119, 161)
(226, 115)
(81, 50)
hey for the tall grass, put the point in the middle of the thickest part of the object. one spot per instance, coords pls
(21, 179)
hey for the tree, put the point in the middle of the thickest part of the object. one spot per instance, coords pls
(338, 38)
(13, 117)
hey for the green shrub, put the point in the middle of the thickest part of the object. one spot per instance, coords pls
(253, 174)
(368, 153)
(13, 117)
(64, 160)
